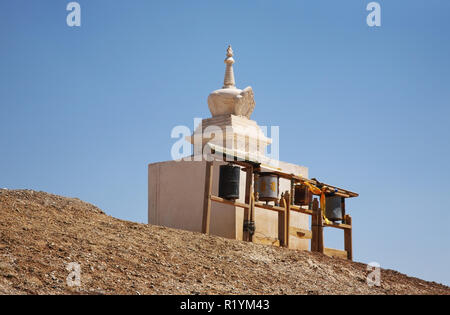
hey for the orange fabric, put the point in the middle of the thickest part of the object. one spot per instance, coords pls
(317, 191)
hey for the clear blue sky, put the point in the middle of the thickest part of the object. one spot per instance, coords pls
(84, 110)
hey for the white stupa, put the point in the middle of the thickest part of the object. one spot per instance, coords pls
(176, 188)
(230, 128)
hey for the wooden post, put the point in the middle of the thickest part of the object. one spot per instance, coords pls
(317, 228)
(348, 238)
(281, 226)
(281, 232)
(314, 226)
(320, 243)
(287, 219)
(248, 196)
(207, 197)
(252, 217)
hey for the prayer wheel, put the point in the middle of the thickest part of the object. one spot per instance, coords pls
(229, 176)
(267, 187)
(302, 195)
(333, 208)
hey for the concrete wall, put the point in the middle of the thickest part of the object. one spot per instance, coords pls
(175, 199)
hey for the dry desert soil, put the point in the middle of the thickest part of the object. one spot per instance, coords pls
(41, 233)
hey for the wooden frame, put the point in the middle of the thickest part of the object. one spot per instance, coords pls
(284, 231)
(207, 200)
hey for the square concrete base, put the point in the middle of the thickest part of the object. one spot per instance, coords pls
(175, 199)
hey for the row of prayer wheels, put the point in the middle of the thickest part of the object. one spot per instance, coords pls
(267, 187)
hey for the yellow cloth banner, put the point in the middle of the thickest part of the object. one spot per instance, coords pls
(317, 191)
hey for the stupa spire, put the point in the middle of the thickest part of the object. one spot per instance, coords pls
(229, 100)
(228, 82)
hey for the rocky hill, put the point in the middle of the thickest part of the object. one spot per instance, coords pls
(41, 234)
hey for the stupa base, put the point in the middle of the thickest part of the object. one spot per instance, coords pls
(176, 195)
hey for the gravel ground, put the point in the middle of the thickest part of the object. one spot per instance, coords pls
(40, 234)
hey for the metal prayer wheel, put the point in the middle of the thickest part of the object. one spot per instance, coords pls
(267, 186)
(302, 195)
(333, 208)
(229, 176)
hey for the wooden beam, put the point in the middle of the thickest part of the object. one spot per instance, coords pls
(301, 210)
(330, 188)
(243, 205)
(243, 164)
(230, 202)
(300, 233)
(348, 238)
(339, 226)
(207, 197)
(340, 194)
(335, 253)
(270, 207)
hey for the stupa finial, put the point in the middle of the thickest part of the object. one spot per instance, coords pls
(229, 51)
(228, 82)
